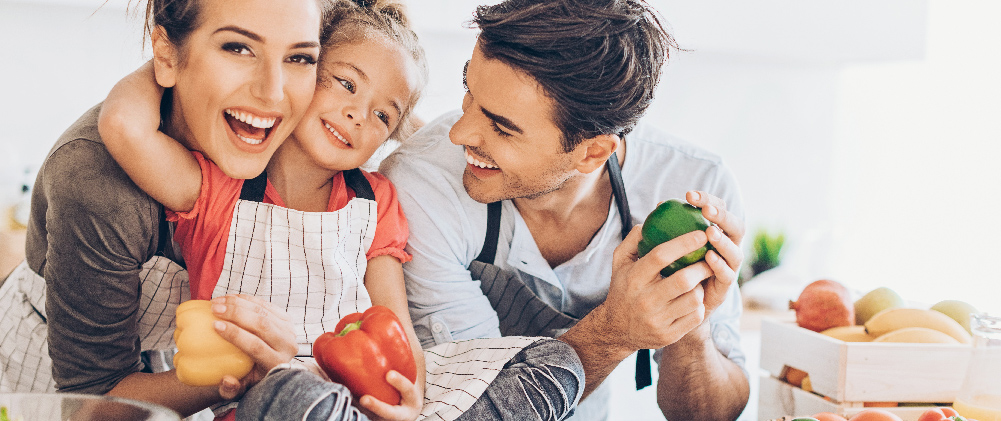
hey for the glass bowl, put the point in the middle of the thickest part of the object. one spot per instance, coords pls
(76, 407)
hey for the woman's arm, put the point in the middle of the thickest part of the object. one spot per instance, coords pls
(384, 281)
(158, 164)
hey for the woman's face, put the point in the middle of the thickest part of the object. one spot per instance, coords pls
(244, 79)
(366, 89)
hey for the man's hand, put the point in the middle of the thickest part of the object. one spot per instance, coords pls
(259, 329)
(725, 236)
(646, 310)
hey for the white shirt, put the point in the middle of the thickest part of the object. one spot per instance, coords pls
(447, 230)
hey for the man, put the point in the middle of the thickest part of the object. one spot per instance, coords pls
(554, 92)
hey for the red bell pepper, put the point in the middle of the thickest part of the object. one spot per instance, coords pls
(363, 349)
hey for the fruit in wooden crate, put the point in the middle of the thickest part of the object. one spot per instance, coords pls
(875, 415)
(898, 318)
(794, 376)
(849, 334)
(938, 414)
(959, 311)
(916, 335)
(874, 302)
(822, 305)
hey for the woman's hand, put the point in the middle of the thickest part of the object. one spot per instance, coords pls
(259, 329)
(410, 402)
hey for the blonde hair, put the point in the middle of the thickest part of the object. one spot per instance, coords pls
(349, 21)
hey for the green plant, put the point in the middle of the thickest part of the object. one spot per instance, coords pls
(766, 254)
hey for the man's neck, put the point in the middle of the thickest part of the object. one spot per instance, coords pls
(563, 222)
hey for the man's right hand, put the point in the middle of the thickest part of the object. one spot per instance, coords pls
(649, 311)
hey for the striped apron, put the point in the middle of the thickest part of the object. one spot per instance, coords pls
(519, 310)
(312, 265)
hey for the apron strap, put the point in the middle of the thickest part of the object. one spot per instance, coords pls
(357, 182)
(643, 376)
(489, 250)
(253, 189)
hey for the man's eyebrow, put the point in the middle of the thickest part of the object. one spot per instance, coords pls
(258, 38)
(504, 121)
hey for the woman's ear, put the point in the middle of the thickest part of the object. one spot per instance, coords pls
(165, 58)
(596, 151)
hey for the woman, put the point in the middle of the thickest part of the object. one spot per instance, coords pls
(101, 244)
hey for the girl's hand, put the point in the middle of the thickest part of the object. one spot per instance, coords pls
(410, 404)
(264, 332)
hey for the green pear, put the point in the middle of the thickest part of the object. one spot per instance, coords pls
(959, 311)
(874, 302)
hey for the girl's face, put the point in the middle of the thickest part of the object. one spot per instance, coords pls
(365, 88)
(243, 79)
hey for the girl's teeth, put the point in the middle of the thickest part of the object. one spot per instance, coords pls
(259, 122)
(338, 135)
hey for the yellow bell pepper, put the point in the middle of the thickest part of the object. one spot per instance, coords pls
(203, 356)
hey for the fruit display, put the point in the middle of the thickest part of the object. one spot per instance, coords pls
(822, 305)
(866, 382)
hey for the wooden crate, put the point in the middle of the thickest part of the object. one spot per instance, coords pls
(779, 399)
(862, 371)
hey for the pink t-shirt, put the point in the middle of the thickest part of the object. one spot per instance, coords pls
(203, 231)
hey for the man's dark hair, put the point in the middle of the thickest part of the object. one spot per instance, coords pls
(599, 61)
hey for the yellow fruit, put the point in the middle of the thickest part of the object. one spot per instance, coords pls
(874, 302)
(807, 385)
(898, 318)
(916, 335)
(849, 334)
(959, 311)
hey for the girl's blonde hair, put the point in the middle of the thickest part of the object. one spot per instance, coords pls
(349, 21)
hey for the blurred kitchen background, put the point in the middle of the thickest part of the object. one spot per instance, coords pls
(865, 131)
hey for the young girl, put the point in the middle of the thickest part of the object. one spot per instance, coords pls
(313, 233)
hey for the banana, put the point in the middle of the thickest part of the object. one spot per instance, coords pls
(898, 318)
(916, 335)
(849, 334)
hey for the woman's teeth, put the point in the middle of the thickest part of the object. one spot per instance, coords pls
(473, 161)
(338, 135)
(259, 122)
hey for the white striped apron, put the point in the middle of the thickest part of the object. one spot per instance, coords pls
(24, 346)
(312, 265)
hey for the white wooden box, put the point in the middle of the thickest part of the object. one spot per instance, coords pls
(779, 399)
(863, 371)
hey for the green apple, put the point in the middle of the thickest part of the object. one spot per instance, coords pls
(874, 302)
(959, 311)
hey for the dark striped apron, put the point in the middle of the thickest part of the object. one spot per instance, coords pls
(519, 310)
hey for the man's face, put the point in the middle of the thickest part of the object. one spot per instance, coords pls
(513, 148)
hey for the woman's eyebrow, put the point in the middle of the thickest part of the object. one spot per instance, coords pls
(254, 36)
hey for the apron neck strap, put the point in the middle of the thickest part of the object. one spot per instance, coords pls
(253, 189)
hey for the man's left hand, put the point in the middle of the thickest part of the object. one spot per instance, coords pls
(725, 236)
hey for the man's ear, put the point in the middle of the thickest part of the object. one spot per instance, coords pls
(165, 58)
(595, 151)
